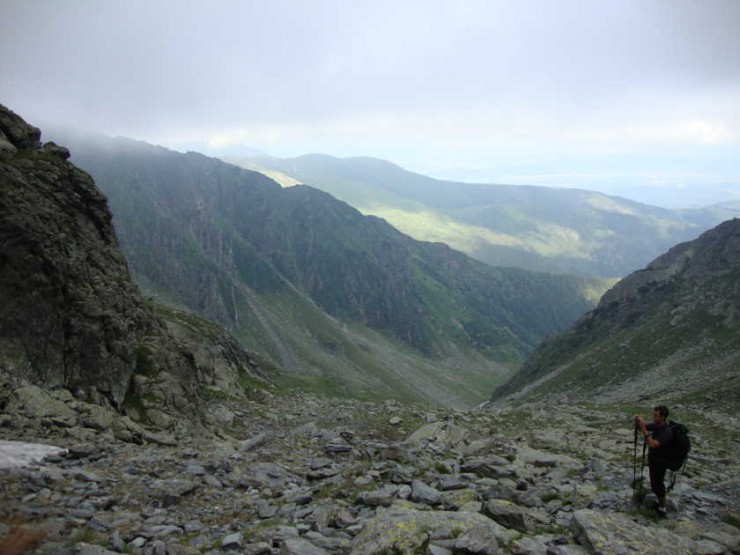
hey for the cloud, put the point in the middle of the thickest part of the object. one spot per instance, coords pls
(468, 83)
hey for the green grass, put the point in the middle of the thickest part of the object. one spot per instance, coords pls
(732, 519)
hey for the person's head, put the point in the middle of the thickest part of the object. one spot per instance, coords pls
(660, 415)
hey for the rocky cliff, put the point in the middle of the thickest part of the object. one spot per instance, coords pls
(70, 316)
(668, 332)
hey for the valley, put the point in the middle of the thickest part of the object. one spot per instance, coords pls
(166, 434)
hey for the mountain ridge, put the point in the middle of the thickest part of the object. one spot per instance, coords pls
(671, 331)
(534, 227)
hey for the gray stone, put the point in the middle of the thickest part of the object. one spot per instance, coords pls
(260, 548)
(508, 514)
(337, 543)
(195, 470)
(34, 402)
(117, 543)
(158, 532)
(193, 527)
(56, 150)
(137, 542)
(448, 482)
(6, 147)
(434, 549)
(530, 498)
(281, 533)
(253, 443)
(267, 475)
(490, 466)
(233, 541)
(479, 540)
(157, 547)
(86, 476)
(337, 446)
(422, 493)
(299, 546)
(18, 132)
(407, 530)
(344, 519)
(88, 549)
(171, 491)
(315, 463)
(604, 533)
(380, 497)
(265, 509)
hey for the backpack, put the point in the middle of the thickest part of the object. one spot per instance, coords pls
(678, 449)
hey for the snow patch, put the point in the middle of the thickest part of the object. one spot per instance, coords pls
(14, 454)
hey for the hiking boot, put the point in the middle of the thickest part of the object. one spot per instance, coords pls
(662, 512)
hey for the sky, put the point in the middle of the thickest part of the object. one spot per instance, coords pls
(633, 97)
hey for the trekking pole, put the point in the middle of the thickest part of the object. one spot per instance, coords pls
(634, 462)
(642, 465)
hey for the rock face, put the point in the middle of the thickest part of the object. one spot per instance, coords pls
(670, 332)
(70, 315)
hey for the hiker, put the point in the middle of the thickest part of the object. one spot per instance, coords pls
(658, 436)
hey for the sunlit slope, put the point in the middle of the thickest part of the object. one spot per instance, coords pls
(318, 288)
(669, 332)
(538, 228)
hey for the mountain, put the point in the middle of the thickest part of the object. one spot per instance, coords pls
(669, 332)
(72, 318)
(324, 291)
(537, 228)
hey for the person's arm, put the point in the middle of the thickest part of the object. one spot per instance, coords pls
(643, 427)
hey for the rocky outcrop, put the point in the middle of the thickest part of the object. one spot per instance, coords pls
(70, 314)
(71, 318)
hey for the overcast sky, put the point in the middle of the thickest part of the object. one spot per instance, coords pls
(586, 92)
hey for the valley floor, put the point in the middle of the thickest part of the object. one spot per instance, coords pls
(304, 475)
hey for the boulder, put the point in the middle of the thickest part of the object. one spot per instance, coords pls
(422, 493)
(399, 530)
(33, 402)
(509, 515)
(613, 533)
(479, 540)
(299, 546)
(268, 475)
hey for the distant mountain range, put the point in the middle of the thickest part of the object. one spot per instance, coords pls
(537, 228)
(339, 301)
(669, 333)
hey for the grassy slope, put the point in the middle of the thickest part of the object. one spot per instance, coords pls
(669, 333)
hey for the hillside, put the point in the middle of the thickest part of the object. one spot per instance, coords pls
(72, 318)
(322, 290)
(669, 332)
(537, 228)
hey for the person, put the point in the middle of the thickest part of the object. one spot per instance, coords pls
(658, 436)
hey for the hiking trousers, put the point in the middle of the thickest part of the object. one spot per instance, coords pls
(658, 467)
